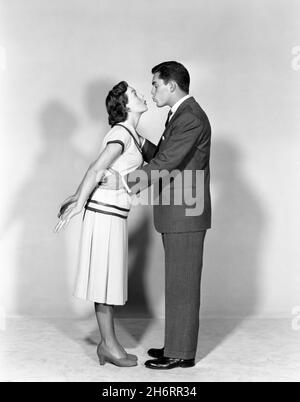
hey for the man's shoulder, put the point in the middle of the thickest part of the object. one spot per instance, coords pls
(192, 112)
(193, 115)
(190, 108)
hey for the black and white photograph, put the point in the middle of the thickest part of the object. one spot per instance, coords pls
(150, 161)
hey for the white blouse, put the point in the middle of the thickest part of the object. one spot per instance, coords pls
(131, 157)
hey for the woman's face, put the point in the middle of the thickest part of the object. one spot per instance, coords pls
(136, 101)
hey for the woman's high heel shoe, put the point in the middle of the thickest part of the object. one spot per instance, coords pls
(131, 357)
(105, 356)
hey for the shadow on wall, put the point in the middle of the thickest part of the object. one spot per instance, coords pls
(233, 246)
(94, 100)
(41, 277)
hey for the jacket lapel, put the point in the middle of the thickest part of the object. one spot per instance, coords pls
(177, 114)
(168, 129)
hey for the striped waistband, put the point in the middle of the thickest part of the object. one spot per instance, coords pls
(107, 209)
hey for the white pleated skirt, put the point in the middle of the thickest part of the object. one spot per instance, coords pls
(102, 274)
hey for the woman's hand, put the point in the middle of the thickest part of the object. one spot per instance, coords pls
(72, 210)
(65, 204)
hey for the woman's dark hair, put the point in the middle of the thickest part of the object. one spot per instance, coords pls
(172, 70)
(116, 102)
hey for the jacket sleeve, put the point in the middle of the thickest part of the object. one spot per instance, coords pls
(179, 144)
(148, 150)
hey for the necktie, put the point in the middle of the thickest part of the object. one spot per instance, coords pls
(168, 118)
(162, 138)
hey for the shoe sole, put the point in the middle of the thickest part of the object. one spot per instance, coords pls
(103, 361)
(170, 368)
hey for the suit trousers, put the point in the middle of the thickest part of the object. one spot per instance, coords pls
(183, 269)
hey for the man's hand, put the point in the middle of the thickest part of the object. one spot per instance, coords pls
(112, 182)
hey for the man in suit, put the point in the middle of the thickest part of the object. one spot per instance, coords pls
(184, 146)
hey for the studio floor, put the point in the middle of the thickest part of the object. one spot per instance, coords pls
(48, 349)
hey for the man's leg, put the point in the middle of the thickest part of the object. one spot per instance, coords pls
(183, 266)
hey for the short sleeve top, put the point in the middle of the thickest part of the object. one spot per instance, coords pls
(131, 157)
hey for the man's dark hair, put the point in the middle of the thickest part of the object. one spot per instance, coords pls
(116, 102)
(172, 70)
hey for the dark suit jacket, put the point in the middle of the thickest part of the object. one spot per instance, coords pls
(186, 146)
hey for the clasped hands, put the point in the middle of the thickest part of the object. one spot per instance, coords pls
(70, 207)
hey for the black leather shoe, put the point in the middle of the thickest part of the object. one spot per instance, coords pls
(157, 353)
(167, 363)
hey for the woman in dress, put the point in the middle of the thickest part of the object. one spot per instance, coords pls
(103, 258)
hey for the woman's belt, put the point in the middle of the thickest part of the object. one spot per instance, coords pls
(107, 209)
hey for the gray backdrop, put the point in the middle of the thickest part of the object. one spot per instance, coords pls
(58, 61)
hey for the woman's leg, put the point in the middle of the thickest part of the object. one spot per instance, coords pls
(105, 319)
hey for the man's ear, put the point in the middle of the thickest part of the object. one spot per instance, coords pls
(173, 86)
